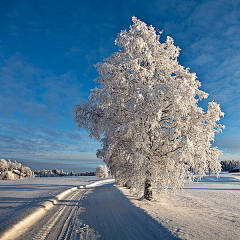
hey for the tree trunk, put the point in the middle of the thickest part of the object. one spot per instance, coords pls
(148, 190)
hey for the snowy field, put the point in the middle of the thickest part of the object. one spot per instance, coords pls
(20, 198)
(209, 209)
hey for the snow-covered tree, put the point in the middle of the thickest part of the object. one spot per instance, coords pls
(229, 165)
(101, 171)
(10, 165)
(8, 168)
(26, 171)
(3, 165)
(146, 114)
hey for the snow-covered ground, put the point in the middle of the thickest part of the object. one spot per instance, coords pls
(209, 209)
(20, 198)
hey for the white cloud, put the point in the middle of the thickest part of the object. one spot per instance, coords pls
(73, 51)
(36, 114)
(38, 143)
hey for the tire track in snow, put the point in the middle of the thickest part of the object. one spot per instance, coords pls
(22, 226)
(65, 209)
(18, 230)
(96, 213)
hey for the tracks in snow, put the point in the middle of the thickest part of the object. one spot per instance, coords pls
(56, 214)
(61, 221)
(64, 209)
(93, 213)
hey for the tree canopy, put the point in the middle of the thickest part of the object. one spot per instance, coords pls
(146, 114)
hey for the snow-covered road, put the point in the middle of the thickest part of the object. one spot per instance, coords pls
(112, 216)
(96, 213)
(20, 198)
(85, 213)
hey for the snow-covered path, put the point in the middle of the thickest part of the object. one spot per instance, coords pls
(85, 213)
(96, 213)
(113, 216)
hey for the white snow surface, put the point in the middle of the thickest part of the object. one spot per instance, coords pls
(22, 198)
(208, 209)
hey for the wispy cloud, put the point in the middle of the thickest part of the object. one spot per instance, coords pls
(73, 51)
(230, 145)
(36, 118)
(36, 143)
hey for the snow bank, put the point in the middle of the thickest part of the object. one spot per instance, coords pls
(101, 182)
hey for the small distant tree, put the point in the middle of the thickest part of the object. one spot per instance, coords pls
(26, 171)
(146, 114)
(3, 165)
(56, 172)
(36, 173)
(43, 173)
(102, 171)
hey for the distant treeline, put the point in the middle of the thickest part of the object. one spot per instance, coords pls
(59, 173)
(229, 165)
(13, 170)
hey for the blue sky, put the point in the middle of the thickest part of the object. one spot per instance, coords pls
(47, 53)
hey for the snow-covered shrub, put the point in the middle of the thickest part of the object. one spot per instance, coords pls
(27, 172)
(13, 170)
(102, 171)
(8, 175)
